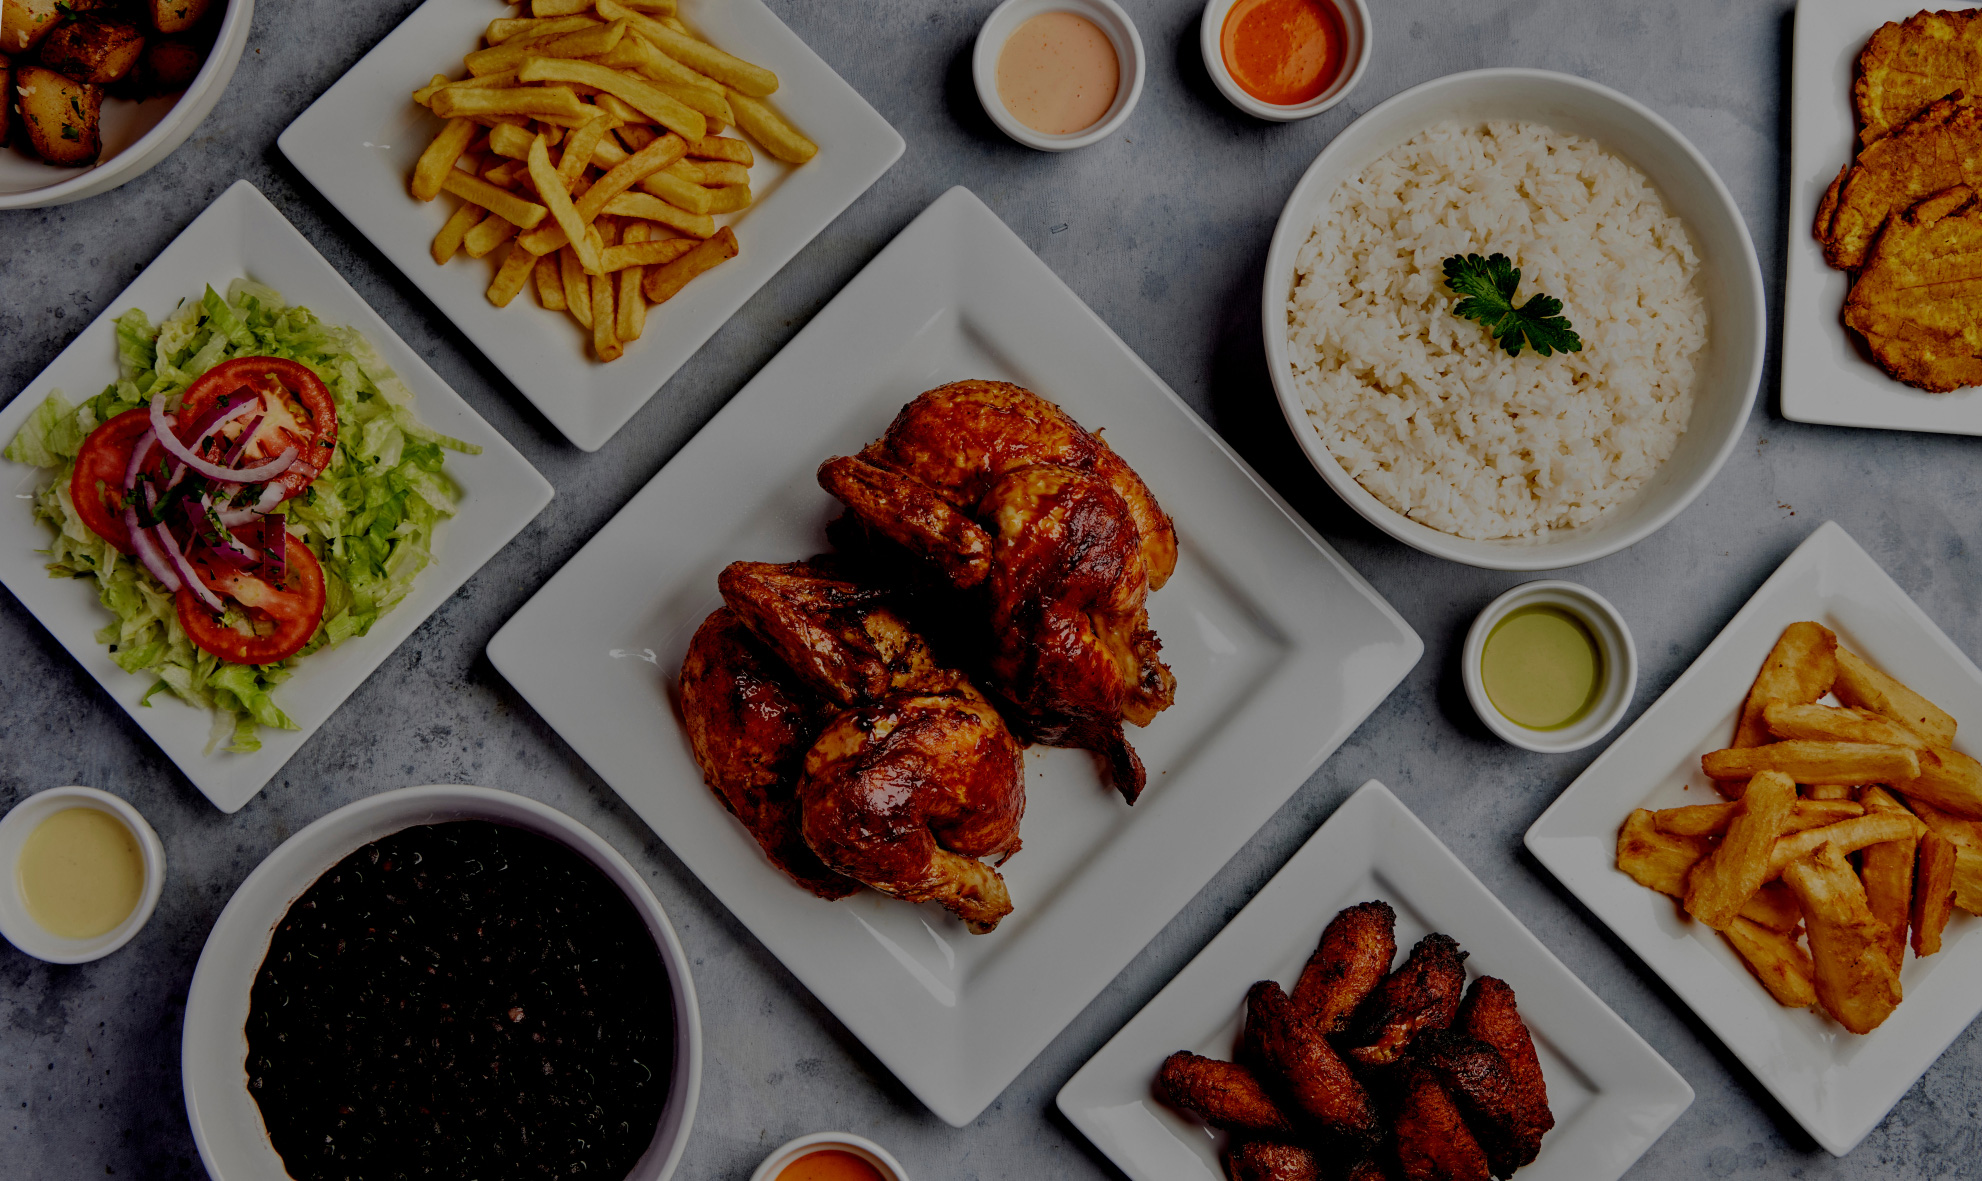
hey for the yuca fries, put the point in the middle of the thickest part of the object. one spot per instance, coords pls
(1814, 783)
(583, 142)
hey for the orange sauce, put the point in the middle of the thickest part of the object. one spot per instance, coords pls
(1058, 73)
(830, 1164)
(1283, 52)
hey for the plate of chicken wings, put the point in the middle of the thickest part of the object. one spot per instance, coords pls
(1277, 1056)
(955, 655)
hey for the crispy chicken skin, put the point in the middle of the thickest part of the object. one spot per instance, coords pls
(1350, 961)
(1488, 1014)
(1476, 1076)
(1938, 148)
(1908, 64)
(1057, 540)
(1315, 1081)
(1433, 1142)
(1422, 995)
(1367, 1169)
(1918, 300)
(749, 723)
(1225, 1094)
(1271, 1160)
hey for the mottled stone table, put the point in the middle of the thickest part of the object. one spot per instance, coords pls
(1163, 230)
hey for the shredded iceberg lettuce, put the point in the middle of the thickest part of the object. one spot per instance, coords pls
(369, 518)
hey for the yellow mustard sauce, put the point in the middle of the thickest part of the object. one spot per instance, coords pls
(81, 873)
(1541, 668)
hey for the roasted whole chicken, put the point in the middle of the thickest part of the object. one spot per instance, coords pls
(1052, 541)
(824, 723)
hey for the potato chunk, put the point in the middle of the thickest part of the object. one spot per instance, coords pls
(59, 116)
(23, 23)
(175, 16)
(169, 64)
(93, 49)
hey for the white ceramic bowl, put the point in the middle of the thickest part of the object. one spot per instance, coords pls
(1355, 17)
(1613, 637)
(226, 1122)
(136, 136)
(28, 935)
(998, 29)
(1730, 278)
(860, 1146)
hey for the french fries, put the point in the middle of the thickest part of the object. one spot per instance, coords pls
(1816, 762)
(1948, 780)
(582, 137)
(1858, 985)
(1861, 685)
(1823, 723)
(1703, 820)
(1846, 836)
(1730, 875)
(1887, 871)
(1777, 960)
(1799, 670)
(1933, 892)
(1966, 837)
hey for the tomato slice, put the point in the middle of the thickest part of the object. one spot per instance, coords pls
(303, 414)
(97, 487)
(280, 619)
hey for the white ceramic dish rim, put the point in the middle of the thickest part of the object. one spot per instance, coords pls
(1607, 627)
(201, 95)
(860, 1146)
(217, 1001)
(1744, 280)
(1004, 21)
(1356, 24)
(28, 936)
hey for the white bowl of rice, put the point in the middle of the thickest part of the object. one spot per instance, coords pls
(1417, 417)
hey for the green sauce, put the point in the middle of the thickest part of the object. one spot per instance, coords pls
(1541, 668)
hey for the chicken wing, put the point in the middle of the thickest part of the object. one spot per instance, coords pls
(1911, 63)
(1222, 1093)
(1918, 300)
(1350, 961)
(1271, 1160)
(1937, 149)
(1488, 1015)
(1422, 995)
(1316, 1081)
(1433, 1142)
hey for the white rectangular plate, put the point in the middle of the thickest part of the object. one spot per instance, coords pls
(1826, 376)
(1612, 1094)
(357, 145)
(1280, 651)
(242, 234)
(1837, 1085)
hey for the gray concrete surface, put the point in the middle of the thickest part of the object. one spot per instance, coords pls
(1163, 230)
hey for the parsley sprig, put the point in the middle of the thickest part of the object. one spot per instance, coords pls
(1487, 285)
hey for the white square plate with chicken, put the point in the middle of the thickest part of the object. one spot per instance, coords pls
(1279, 650)
(1827, 375)
(242, 235)
(1837, 1084)
(357, 144)
(1610, 1093)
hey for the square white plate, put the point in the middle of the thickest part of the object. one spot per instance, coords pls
(1826, 377)
(242, 234)
(1612, 1094)
(1280, 650)
(1837, 1085)
(357, 145)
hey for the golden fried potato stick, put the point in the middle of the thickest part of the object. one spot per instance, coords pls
(682, 194)
(608, 189)
(1966, 837)
(1857, 985)
(665, 282)
(577, 287)
(508, 28)
(438, 160)
(641, 94)
(1846, 836)
(629, 302)
(1730, 875)
(1777, 961)
(1830, 792)
(1887, 871)
(1799, 670)
(605, 324)
(637, 53)
(1865, 687)
(729, 199)
(1848, 763)
(425, 95)
(1933, 893)
(510, 277)
(514, 52)
(513, 142)
(1824, 723)
(635, 253)
(448, 241)
(535, 102)
(697, 55)
(551, 8)
(550, 187)
(550, 284)
(711, 103)
(1701, 820)
(646, 208)
(716, 147)
(500, 202)
(1949, 780)
(620, 110)
(577, 155)
(763, 124)
(503, 175)
(1662, 862)
(484, 238)
(713, 173)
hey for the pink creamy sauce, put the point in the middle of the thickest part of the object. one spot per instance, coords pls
(1058, 73)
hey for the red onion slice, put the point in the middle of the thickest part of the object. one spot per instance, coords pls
(234, 518)
(184, 454)
(185, 569)
(138, 452)
(240, 446)
(271, 496)
(154, 561)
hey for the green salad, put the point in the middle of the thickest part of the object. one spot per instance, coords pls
(368, 515)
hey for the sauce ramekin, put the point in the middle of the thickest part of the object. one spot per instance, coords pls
(1355, 17)
(31, 937)
(1005, 20)
(1607, 627)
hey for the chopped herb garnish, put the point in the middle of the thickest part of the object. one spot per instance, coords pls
(1486, 287)
(69, 133)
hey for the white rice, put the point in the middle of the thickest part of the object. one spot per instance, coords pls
(1422, 407)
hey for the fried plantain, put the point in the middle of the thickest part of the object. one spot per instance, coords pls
(1918, 300)
(1223, 1093)
(1477, 1078)
(1908, 64)
(1938, 148)
(1271, 1160)
(1422, 995)
(1350, 961)
(1488, 1014)
(1433, 1142)
(1315, 1080)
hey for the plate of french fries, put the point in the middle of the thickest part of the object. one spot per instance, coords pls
(590, 188)
(1792, 838)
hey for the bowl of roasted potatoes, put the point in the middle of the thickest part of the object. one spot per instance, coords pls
(98, 91)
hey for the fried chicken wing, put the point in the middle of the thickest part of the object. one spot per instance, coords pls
(1935, 150)
(1433, 1142)
(1918, 300)
(1488, 1015)
(1908, 64)
(1225, 1094)
(1271, 1160)
(1476, 1076)
(1421, 995)
(1316, 1082)
(1352, 958)
(749, 723)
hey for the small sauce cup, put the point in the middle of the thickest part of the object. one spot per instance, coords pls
(1353, 16)
(1108, 16)
(858, 1146)
(19, 927)
(1617, 679)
